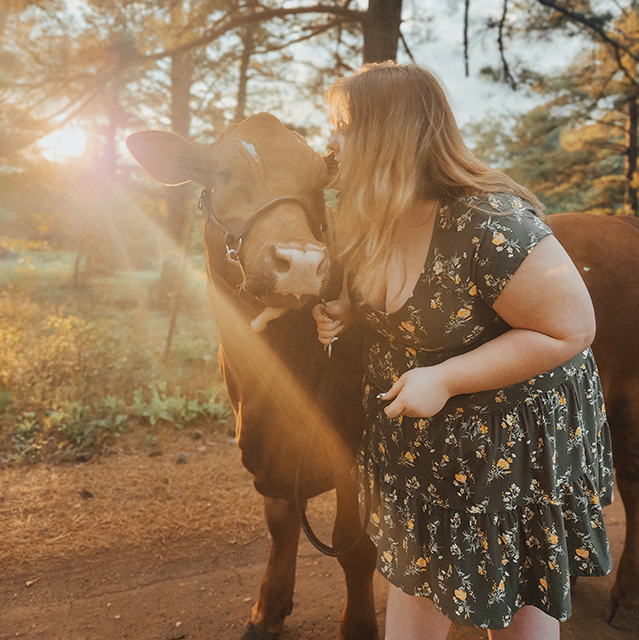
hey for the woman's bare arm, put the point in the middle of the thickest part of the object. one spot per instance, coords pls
(549, 308)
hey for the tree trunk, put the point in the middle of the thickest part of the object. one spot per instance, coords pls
(381, 30)
(181, 80)
(109, 159)
(630, 173)
(248, 47)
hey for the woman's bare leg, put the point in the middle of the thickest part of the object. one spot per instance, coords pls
(529, 623)
(413, 618)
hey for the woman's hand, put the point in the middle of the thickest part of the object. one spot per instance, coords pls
(419, 393)
(331, 318)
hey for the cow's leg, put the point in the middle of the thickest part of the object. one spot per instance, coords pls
(276, 593)
(622, 406)
(358, 618)
(623, 610)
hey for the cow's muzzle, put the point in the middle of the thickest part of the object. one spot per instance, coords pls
(299, 271)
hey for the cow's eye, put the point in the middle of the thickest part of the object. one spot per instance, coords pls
(224, 176)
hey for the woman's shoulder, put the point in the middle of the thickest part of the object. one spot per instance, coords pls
(477, 211)
(493, 204)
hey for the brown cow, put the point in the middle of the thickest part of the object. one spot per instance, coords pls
(267, 262)
(606, 250)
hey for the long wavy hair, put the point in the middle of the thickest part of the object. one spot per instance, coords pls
(402, 145)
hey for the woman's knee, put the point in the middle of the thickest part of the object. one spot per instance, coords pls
(529, 623)
(408, 616)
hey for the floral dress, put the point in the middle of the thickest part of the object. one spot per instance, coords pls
(493, 503)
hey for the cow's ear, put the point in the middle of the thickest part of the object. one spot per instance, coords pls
(168, 157)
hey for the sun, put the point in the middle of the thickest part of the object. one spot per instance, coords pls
(63, 144)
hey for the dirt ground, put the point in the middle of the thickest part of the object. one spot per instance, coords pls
(141, 547)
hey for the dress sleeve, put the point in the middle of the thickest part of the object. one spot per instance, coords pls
(506, 231)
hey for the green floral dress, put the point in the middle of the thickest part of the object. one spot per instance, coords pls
(493, 503)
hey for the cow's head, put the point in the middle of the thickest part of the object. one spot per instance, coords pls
(263, 201)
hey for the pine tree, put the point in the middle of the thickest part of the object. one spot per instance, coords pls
(579, 150)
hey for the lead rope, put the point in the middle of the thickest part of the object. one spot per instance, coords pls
(301, 508)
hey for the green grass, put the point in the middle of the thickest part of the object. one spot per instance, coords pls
(80, 366)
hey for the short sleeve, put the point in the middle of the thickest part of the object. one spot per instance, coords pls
(506, 230)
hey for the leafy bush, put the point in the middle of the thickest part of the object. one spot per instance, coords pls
(176, 408)
(28, 438)
(74, 377)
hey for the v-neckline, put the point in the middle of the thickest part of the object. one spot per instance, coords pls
(427, 260)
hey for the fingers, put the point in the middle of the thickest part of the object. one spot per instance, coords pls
(327, 328)
(397, 406)
(394, 409)
(336, 309)
(318, 313)
(393, 392)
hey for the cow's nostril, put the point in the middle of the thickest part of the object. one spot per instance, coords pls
(282, 259)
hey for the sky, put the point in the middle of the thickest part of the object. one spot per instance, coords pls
(437, 44)
(473, 97)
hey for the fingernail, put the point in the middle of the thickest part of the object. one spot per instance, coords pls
(335, 339)
(381, 396)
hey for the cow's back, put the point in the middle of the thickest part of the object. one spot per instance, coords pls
(606, 252)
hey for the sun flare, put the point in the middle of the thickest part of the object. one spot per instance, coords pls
(63, 144)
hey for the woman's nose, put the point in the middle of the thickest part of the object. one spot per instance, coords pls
(335, 143)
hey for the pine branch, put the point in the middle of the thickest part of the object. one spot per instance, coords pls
(589, 23)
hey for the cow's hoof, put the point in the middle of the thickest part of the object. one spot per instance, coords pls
(621, 617)
(255, 633)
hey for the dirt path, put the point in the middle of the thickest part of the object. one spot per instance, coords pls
(143, 548)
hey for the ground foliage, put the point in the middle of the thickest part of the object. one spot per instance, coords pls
(81, 366)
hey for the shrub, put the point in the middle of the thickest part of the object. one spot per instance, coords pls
(176, 408)
(74, 381)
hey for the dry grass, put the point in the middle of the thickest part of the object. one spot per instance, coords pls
(134, 499)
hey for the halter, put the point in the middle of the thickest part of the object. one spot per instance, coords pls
(233, 241)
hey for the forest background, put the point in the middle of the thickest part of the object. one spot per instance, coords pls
(104, 325)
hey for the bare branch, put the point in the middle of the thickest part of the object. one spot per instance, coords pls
(313, 31)
(500, 40)
(233, 21)
(408, 51)
(466, 61)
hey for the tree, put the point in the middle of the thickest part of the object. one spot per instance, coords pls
(599, 92)
(118, 65)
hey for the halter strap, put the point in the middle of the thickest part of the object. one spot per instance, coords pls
(233, 241)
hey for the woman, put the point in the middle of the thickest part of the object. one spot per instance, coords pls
(487, 460)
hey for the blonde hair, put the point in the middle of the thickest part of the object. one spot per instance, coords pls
(402, 145)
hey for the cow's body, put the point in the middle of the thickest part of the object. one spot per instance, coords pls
(290, 398)
(606, 252)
